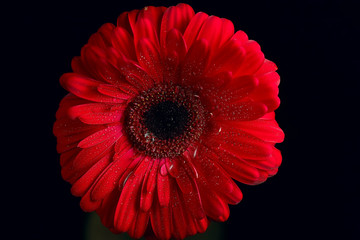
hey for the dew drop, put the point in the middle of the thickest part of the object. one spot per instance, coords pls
(126, 179)
(163, 170)
(195, 152)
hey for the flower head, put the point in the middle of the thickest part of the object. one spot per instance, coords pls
(165, 109)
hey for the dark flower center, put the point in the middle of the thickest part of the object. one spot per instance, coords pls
(166, 119)
(163, 121)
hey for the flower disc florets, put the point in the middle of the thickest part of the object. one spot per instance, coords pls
(165, 120)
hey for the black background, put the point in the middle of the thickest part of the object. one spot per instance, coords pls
(313, 42)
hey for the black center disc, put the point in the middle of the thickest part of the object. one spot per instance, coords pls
(166, 119)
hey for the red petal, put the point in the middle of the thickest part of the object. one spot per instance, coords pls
(190, 192)
(190, 167)
(272, 78)
(175, 43)
(127, 207)
(241, 111)
(233, 197)
(85, 88)
(68, 156)
(71, 141)
(101, 136)
(154, 15)
(127, 20)
(67, 126)
(172, 53)
(111, 116)
(268, 95)
(227, 30)
(193, 203)
(102, 38)
(148, 187)
(243, 84)
(107, 210)
(268, 165)
(145, 29)
(149, 59)
(160, 219)
(111, 176)
(240, 36)
(214, 206)
(228, 58)
(267, 130)
(211, 30)
(100, 63)
(89, 156)
(195, 62)
(124, 42)
(71, 100)
(82, 109)
(267, 91)
(72, 170)
(129, 171)
(238, 88)
(78, 67)
(268, 116)
(177, 17)
(139, 225)
(113, 91)
(179, 223)
(64, 146)
(184, 182)
(163, 188)
(252, 61)
(268, 66)
(242, 144)
(214, 174)
(135, 75)
(90, 56)
(238, 168)
(194, 27)
(220, 81)
(83, 184)
(201, 225)
(87, 204)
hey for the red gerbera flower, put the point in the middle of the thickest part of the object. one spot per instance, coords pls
(164, 111)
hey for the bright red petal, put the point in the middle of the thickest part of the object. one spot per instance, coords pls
(176, 17)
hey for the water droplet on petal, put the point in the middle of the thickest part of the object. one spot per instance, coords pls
(195, 152)
(163, 170)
